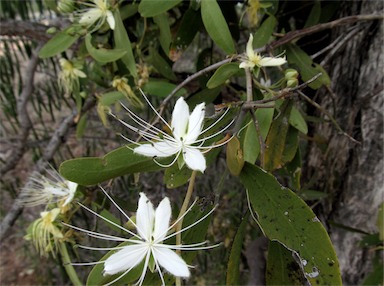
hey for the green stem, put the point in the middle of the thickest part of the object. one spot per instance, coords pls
(68, 266)
(182, 211)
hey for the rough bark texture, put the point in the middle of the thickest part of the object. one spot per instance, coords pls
(352, 174)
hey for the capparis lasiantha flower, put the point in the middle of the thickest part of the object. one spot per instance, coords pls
(97, 14)
(70, 74)
(183, 140)
(147, 246)
(44, 232)
(253, 59)
(47, 189)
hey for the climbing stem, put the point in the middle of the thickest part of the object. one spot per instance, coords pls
(182, 211)
(68, 266)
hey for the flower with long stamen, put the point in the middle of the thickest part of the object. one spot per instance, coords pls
(70, 75)
(183, 140)
(47, 189)
(97, 14)
(147, 246)
(253, 59)
(44, 232)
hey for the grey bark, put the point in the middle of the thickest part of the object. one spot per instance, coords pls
(350, 173)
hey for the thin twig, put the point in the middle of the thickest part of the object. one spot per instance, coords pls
(22, 113)
(323, 110)
(58, 138)
(294, 35)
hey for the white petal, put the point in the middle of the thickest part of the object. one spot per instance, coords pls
(247, 64)
(249, 49)
(195, 124)
(124, 259)
(162, 218)
(159, 149)
(110, 20)
(194, 159)
(145, 217)
(272, 62)
(171, 262)
(71, 192)
(91, 16)
(180, 118)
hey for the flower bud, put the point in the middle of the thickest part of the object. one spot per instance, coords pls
(292, 82)
(291, 74)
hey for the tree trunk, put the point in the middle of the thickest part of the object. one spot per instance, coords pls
(352, 174)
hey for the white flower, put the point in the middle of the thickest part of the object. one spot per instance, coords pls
(185, 130)
(44, 190)
(97, 14)
(148, 244)
(254, 59)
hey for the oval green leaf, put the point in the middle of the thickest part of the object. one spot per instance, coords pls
(94, 170)
(222, 74)
(110, 98)
(297, 120)
(264, 32)
(235, 158)
(122, 42)
(285, 218)
(216, 25)
(162, 21)
(103, 55)
(161, 88)
(58, 44)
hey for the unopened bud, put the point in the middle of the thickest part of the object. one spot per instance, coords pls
(292, 82)
(291, 74)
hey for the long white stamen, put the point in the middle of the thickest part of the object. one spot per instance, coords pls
(144, 124)
(154, 110)
(216, 121)
(191, 225)
(87, 263)
(215, 134)
(111, 222)
(124, 214)
(97, 234)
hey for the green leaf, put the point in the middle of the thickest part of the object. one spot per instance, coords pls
(233, 271)
(380, 221)
(206, 95)
(93, 170)
(58, 44)
(160, 64)
(175, 177)
(235, 158)
(310, 195)
(165, 39)
(264, 117)
(222, 74)
(264, 32)
(291, 145)
(375, 277)
(122, 42)
(307, 68)
(251, 144)
(161, 88)
(81, 126)
(189, 25)
(282, 269)
(285, 218)
(298, 121)
(150, 8)
(103, 55)
(314, 15)
(217, 26)
(111, 97)
(275, 143)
